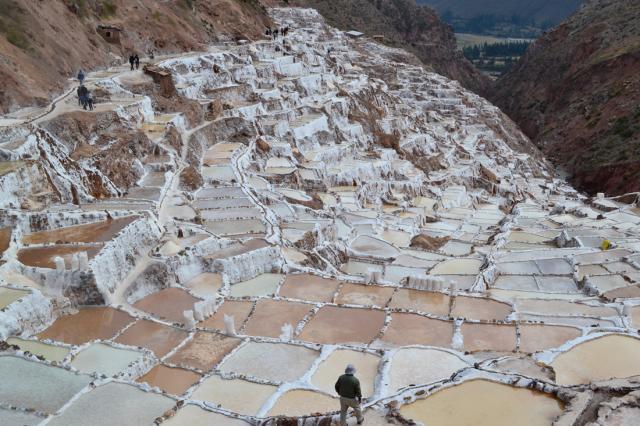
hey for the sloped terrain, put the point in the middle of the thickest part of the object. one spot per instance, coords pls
(576, 93)
(44, 43)
(552, 11)
(404, 24)
(292, 206)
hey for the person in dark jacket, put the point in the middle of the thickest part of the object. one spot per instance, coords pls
(81, 76)
(82, 92)
(137, 61)
(132, 61)
(348, 387)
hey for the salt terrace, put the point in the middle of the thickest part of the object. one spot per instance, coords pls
(335, 203)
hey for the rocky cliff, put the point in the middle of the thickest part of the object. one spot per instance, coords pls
(404, 24)
(576, 93)
(43, 43)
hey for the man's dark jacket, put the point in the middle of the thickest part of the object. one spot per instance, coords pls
(348, 386)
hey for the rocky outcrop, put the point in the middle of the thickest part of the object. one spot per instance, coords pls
(576, 94)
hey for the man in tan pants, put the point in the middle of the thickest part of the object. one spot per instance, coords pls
(348, 387)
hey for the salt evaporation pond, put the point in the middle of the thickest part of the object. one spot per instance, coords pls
(114, 404)
(299, 402)
(366, 365)
(88, 324)
(48, 352)
(87, 233)
(158, 338)
(484, 403)
(104, 359)
(232, 394)
(192, 415)
(5, 239)
(10, 295)
(43, 257)
(411, 366)
(603, 358)
(172, 380)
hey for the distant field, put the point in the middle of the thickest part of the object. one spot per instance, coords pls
(467, 40)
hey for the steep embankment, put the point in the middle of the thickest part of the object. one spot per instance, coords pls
(576, 93)
(42, 43)
(404, 24)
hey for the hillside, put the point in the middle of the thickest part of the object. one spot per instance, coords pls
(44, 43)
(404, 24)
(552, 11)
(576, 93)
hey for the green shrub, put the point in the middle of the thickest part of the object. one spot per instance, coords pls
(12, 24)
(108, 8)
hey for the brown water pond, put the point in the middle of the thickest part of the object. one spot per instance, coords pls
(88, 324)
(168, 304)
(412, 329)
(159, 338)
(480, 309)
(538, 337)
(489, 337)
(172, 380)
(43, 257)
(96, 232)
(5, 239)
(333, 324)
(270, 315)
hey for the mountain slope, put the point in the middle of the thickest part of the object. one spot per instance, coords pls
(404, 24)
(576, 93)
(43, 43)
(552, 11)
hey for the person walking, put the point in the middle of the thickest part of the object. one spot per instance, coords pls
(83, 94)
(81, 76)
(348, 387)
(132, 59)
(137, 61)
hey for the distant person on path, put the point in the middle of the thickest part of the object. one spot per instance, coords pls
(137, 60)
(79, 94)
(132, 60)
(81, 76)
(348, 387)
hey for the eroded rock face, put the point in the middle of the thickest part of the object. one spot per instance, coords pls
(339, 205)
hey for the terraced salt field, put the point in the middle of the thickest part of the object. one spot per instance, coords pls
(322, 201)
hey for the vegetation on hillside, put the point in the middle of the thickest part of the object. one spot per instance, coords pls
(12, 24)
(496, 58)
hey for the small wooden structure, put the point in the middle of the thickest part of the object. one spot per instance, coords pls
(162, 78)
(379, 38)
(110, 33)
